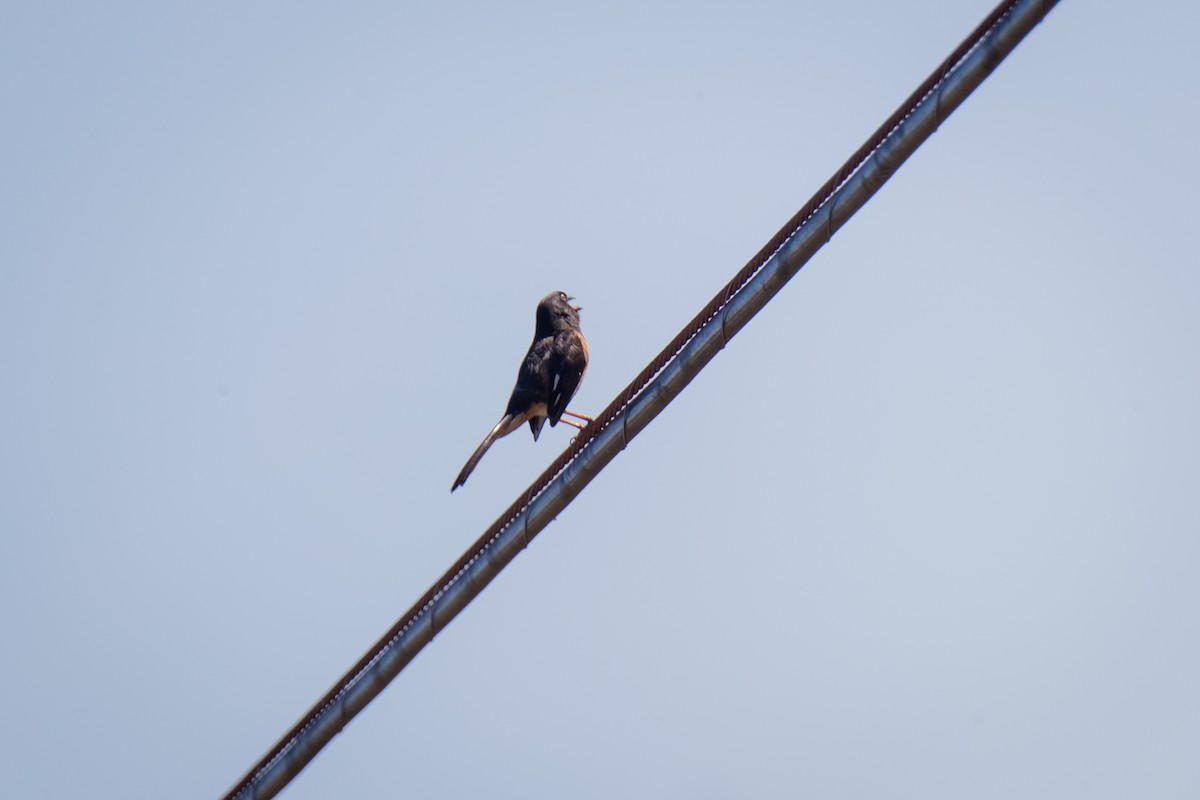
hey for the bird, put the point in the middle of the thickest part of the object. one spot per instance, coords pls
(547, 379)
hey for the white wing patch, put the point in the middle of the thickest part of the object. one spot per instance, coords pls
(554, 388)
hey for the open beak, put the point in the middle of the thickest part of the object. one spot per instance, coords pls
(577, 308)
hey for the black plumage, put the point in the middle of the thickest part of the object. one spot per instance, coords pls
(548, 377)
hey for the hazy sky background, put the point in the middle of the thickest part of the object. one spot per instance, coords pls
(927, 528)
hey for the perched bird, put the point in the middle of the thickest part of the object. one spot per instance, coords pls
(547, 379)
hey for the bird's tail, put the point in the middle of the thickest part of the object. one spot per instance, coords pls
(507, 424)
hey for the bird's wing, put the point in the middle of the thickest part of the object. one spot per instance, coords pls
(568, 362)
(533, 379)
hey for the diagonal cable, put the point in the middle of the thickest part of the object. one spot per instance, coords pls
(644, 398)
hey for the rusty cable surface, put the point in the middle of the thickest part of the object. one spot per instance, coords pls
(624, 398)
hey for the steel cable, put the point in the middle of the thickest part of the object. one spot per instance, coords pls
(615, 409)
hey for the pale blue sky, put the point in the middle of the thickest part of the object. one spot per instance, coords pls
(927, 528)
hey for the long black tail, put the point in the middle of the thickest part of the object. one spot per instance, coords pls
(504, 427)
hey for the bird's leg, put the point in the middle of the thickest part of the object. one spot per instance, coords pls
(579, 416)
(572, 424)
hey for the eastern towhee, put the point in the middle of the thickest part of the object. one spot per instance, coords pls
(548, 377)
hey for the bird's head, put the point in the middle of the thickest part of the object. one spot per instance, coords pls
(555, 313)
